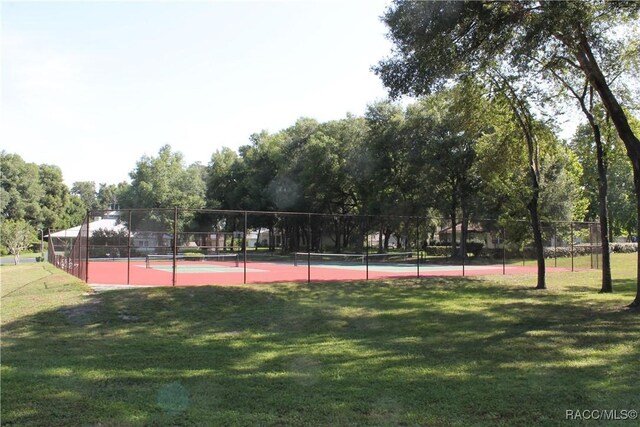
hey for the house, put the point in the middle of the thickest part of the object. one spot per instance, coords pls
(152, 242)
(476, 233)
(108, 223)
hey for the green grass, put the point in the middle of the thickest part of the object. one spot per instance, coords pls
(578, 263)
(24, 255)
(447, 351)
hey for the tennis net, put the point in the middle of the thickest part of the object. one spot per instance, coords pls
(333, 258)
(182, 259)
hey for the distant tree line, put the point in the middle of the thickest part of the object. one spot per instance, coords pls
(480, 141)
(38, 195)
(454, 154)
(523, 51)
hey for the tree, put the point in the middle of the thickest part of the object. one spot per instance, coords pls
(620, 198)
(16, 236)
(221, 180)
(437, 41)
(444, 129)
(106, 243)
(601, 181)
(162, 183)
(323, 169)
(109, 195)
(20, 190)
(165, 182)
(323, 166)
(389, 187)
(54, 198)
(86, 191)
(502, 166)
(74, 212)
(37, 194)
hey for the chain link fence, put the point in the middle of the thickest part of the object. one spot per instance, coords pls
(189, 247)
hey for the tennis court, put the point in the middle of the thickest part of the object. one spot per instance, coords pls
(236, 247)
(303, 267)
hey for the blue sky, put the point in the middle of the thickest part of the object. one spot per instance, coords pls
(93, 86)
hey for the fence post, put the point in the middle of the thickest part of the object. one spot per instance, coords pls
(599, 246)
(590, 227)
(504, 252)
(86, 270)
(309, 250)
(555, 246)
(572, 246)
(366, 257)
(50, 258)
(418, 246)
(129, 250)
(463, 244)
(595, 249)
(175, 243)
(244, 245)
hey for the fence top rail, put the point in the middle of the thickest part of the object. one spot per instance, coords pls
(330, 215)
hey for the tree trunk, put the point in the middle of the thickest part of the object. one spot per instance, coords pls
(360, 237)
(272, 239)
(521, 113)
(387, 237)
(464, 231)
(610, 226)
(454, 234)
(603, 203)
(636, 179)
(607, 286)
(346, 234)
(591, 69)
(537, 239)
(257, 244)
(285, 237)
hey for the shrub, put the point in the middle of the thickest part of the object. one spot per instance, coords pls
(475, 248)
(437, 243)
(16, 236)
(187, 251)
(193, 256)
(437, 250)
(623, 248)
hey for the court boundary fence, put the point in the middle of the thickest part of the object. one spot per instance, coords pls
(74, 256)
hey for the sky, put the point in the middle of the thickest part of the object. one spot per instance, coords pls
(93, 86)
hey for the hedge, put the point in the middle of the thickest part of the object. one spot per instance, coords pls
(529, 252)
(475, 248)
(437, 250)
(623, 248)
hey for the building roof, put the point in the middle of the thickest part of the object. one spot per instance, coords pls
(110, 224)
(474, 228)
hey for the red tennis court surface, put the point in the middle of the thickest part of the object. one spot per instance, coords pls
(136, 272)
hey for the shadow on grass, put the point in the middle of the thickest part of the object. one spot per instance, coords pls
(411, 352)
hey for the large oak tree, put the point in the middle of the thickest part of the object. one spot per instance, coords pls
(437, 41)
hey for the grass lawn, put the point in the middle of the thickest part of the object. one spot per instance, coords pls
(434, 351)
(24, 255)
(581, 262)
